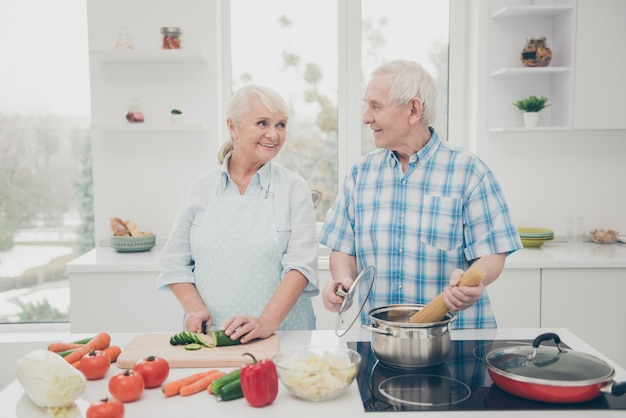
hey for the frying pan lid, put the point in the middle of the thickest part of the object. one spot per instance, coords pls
(548, 365)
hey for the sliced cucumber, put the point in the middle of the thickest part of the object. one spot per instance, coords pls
(193, 346)
(184, 338)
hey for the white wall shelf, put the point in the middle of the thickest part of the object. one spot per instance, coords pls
(148, 56)
(536, 129)
(148, 127)
(515, 71)
(531, 10)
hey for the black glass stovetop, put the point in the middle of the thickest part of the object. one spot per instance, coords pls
(460, 383)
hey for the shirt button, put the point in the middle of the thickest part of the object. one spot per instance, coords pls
(400, 286)
(400, 250)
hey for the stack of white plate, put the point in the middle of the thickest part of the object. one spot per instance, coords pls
(535, 237)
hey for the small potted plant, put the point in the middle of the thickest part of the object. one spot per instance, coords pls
(176, 114)
(531, 106)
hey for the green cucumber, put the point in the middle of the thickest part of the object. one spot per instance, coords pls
(230, 391)
(220, 339)
(218, 384)
(65, 353)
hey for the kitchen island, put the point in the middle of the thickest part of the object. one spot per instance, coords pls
(15, 403)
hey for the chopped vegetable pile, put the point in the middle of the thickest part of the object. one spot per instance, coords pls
(318, 376)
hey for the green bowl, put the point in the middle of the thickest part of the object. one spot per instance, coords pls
(133, 244)
(534, 243)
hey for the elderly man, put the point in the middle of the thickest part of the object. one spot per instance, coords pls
(418, 209)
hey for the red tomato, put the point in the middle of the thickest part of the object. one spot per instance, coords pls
(154, 370)
(127, 386)
(106, 408)
(95, 364)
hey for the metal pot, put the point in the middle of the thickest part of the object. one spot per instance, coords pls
(396, 341)
(551, 374)
(401, 344)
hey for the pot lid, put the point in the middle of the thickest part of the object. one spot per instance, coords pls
(348, 313)
(548, 365)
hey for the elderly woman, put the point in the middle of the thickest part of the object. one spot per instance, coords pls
(242, 255)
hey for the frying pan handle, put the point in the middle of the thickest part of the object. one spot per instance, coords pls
(618, 389)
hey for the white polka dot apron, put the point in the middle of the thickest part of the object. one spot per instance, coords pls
(238, 259)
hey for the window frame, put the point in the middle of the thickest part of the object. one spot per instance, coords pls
(349, 98)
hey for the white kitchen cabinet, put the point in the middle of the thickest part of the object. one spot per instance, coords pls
(122, 302)
(590, 303)
(510, 24)
(600, 60)
(515, 298)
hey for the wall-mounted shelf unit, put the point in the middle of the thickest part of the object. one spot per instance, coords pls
(509, 26)
(161, 156)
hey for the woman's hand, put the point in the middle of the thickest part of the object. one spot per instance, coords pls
(457, 297)
(248, 328)
(194, 320)
(332, 302)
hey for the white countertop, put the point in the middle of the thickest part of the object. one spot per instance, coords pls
(550, 255)
(14, 402)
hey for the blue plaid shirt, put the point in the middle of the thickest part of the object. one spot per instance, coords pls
(419, 226)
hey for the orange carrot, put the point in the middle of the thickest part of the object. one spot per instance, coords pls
(99, 342)
(76, 364)
(113, 351)
(200, 385)
(59, 346)
(173, 388)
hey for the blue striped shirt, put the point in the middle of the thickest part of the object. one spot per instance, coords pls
(417, 227)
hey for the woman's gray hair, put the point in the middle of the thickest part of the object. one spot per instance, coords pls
(240, 106)
(411, 80)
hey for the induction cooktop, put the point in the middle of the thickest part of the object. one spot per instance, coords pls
(460, 383)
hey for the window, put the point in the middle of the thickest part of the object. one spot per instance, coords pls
(303, 50)
(45, 167)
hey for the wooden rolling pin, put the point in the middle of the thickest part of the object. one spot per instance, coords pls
(436, 310)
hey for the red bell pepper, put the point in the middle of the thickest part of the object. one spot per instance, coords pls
(259, 381)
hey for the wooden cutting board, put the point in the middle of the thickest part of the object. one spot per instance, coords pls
(144, 345)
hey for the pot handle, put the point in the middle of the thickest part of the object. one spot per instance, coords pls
(379, 331)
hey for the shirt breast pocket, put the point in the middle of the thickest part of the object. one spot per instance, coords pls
(193, 230)
(283, 232)
(441, 225)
